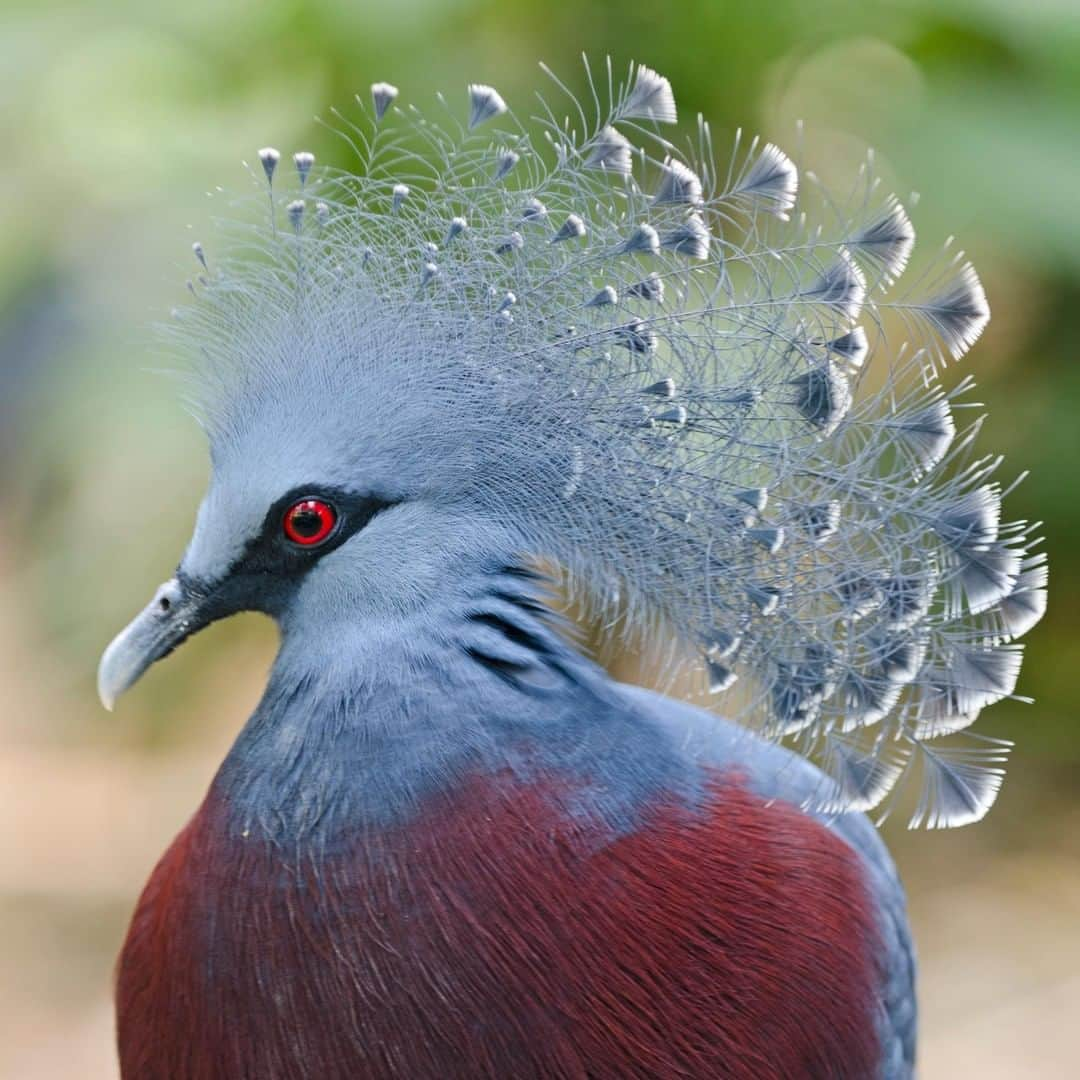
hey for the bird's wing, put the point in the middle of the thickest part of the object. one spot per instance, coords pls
(777, 773)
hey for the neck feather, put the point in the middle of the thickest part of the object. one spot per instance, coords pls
(364, 727)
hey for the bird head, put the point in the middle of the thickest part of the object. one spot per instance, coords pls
(328, 505)
(494, 340)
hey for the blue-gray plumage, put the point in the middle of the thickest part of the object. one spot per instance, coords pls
(447, 843)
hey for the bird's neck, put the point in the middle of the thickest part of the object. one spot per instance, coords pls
(360, 726)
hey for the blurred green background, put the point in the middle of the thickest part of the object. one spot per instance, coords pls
(116, 118)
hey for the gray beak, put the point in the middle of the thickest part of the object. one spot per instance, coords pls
(173, 615)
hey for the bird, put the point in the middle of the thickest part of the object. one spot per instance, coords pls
(507, 396)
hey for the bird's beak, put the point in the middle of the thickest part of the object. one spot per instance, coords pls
(175, 613)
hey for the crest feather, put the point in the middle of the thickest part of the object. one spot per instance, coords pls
(659, 382)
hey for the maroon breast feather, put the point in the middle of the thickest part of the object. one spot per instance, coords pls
(500, 934)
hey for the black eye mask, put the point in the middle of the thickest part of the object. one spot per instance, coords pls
(282, 552)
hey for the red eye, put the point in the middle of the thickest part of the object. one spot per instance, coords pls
(309, 522)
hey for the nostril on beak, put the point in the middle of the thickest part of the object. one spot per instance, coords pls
(167, 597)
